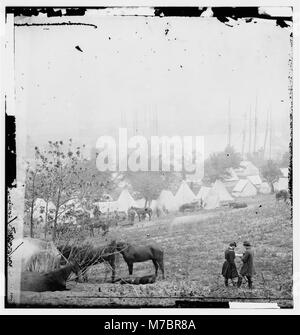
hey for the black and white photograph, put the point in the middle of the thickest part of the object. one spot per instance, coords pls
(149, 156)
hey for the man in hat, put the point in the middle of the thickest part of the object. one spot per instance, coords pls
(229, 270)
(247, 269)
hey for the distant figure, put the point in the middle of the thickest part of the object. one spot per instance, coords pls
(131, 214)
(229, 270)
(247, 269)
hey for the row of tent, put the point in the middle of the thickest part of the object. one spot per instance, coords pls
(210, 197)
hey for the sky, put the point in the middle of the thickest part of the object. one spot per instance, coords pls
(182, 74)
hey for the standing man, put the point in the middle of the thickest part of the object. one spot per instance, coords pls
(229, 270)
(247, 269)
(131, 214)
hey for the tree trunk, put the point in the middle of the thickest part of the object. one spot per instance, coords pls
(32, 207)
(46, 221)
(31, 218)
(56, 216)
(272, 187)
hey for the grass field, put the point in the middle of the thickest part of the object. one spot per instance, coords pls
(194, 247)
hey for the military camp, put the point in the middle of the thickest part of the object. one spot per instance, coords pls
(152, 154)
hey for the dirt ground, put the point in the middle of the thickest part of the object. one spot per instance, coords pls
(194, 245)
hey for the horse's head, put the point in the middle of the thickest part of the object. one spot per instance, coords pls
(121, 246)
(76, 269)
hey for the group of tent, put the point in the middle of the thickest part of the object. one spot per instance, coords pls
(243, 182)
(211, 197)
(250, 185)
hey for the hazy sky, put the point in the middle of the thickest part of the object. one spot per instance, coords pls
(184, 70)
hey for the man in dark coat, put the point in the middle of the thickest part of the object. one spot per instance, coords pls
(247, 269)
(229, 270)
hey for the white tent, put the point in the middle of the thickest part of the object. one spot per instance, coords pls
(212, 199)
(285, 172)
(281, 184)
(154, 205)
(184, 194)
(244, 189)
(203, 192)
(255, 180)
(107, 206)
(221, 191)
(125, 201)
(167, 201)
(264, 188)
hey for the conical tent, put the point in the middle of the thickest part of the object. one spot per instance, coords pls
(125, 201)
(108, 206)
(184, 194)
(212, 199)
(166, 200)
(222, 192)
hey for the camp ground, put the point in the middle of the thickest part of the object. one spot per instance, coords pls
(153, 152)
(181, 220)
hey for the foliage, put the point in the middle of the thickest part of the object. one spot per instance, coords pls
(217, 165)
(148, 184)
(257, 158)
(61, 174)
(271, 172)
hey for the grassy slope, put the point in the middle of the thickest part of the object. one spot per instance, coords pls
(194, 253)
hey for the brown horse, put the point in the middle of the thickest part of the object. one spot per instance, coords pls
(88, 255)
(50, 281)
(133, 254)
